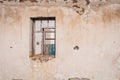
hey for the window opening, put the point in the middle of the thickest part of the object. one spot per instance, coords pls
(43, 36)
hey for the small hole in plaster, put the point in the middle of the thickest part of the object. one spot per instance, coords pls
(76, 48)
(114, 42)
(11, 47)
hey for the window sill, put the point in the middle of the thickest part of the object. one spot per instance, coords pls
(42, 58)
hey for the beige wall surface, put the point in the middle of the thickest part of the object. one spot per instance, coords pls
(97, 33)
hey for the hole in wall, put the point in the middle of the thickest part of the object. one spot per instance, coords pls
(87, 2)
(11, 47)
(76, 78)
(84, 79)
(75, 1)
(76, 47)
(17, 79)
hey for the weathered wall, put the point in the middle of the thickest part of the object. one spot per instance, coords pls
(97, 33)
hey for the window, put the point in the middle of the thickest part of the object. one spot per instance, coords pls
(43, 36)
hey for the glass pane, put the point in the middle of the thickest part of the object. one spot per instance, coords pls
(52, 23)
(49, 41)
(50, 35)
(44, 23)
(38, 43)
(49, 30)
(37, 25)
(50, 47)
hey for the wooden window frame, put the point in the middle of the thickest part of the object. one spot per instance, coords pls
(33, 23)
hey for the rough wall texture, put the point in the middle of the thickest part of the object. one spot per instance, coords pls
(96, 32)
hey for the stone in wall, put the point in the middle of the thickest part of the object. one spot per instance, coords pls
(76, 78)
